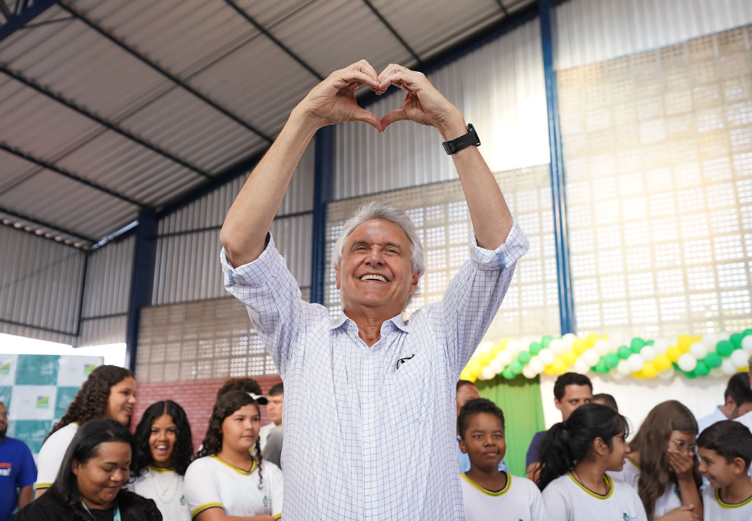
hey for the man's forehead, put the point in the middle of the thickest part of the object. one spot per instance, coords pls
(378, 230)
(577, 391)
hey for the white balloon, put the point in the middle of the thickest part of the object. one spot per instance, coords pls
(484, 347)
(648, 353)
(504, 357)
(623, 367)
(747, 344)
(716, 372)
(711, 339)
(724, 336)
(602, 347)
(728, 367)
(687, 362)
(546, 356)
(536, 364)
(568, 340)
(668, 374)
(580, 366)
(660, 346)
(698, 350)
(557, 346)
(496, 366)
(589, 357)
(635, 362)
(616, 375)
(528, 373)
(513, 347)
(487, 373)
(739, 358)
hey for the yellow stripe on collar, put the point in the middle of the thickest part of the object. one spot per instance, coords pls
(236, 469)
(485, 490)
(730, 505)
(606, 479)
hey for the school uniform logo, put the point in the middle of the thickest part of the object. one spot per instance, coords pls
(627, 517)
(266, 501)
(182, 501)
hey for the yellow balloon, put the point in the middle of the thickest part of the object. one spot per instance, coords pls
(649, 370)
(744, 369)
(684, 342)
(474, 367)
(485, 359)
(465, 374)
(559, 367)
(549, 369)
(579, 347)
(638, 375)
(568, 357)
(662, 362)
(673, 353)
(591, 339)
(496, 349)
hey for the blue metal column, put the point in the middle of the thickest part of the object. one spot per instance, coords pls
(322, 193)
(141, 279)
(558, 181)
(10, 22)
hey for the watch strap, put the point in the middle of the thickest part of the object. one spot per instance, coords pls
(464, 141)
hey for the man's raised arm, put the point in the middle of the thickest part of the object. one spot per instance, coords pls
(424, 104)
(331, 101)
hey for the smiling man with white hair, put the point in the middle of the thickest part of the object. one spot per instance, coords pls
(370, 398)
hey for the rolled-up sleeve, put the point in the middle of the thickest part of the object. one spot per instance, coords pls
(272, 297)
(475, 294)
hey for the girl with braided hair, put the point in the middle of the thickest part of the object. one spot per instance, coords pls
(109, 392)
(227, 479)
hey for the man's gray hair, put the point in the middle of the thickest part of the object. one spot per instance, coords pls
(375, 210)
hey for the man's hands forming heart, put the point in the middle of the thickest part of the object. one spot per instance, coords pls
(333, 100)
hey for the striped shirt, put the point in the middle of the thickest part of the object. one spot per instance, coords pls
(365, 437)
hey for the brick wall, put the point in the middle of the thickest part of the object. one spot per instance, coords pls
(196, 397)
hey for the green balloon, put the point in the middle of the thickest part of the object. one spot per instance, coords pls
(676, 366)
(535, 348)
(546, 340)
(724, 348)
(691, 374)
(515, 367)
(624, 352)
(523, 357)
(736, 340)
(508, 374)
(713, 360)
(612, 360)
(747, 332)
(702, 368)
(637, 344)
(601, 367)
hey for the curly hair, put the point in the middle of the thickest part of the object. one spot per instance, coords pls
(247, 385)
(226, 405)
(477, 406)
(182, 451)
(651, 441)
(91, 400)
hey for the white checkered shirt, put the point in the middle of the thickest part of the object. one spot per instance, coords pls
(366, 438)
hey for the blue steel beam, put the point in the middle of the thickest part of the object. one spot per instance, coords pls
(143, 271)
(322, 194)
(558, 179)
(22, 15)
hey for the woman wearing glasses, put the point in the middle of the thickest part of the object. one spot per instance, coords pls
(663, 465)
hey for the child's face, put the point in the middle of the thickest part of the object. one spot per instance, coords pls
(484, 441)
(720, 473)
(619, 451)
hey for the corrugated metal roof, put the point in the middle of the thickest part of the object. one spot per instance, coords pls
(191, 88)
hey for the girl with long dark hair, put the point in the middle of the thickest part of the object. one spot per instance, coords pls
(108, 392)
(663, 465)
(575, 456)
(89, 486)
(162, 452)
(227, 479)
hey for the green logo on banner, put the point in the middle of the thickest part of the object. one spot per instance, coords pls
(43, 402)
(5, 369)
(88, 368)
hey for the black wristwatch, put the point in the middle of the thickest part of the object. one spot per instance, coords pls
(455, 145)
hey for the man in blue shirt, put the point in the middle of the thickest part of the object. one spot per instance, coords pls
(17, 471)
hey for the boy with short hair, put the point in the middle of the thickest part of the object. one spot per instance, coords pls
(488, 493)
(725, 450)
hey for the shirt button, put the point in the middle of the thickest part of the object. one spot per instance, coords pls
(369, 440)
(370, 493)
(367, 397)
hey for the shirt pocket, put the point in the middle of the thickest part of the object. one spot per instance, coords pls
(405, 393)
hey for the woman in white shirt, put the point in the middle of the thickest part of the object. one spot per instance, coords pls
(227, 479)
(575, 456)
(109, 392)
(163, 451)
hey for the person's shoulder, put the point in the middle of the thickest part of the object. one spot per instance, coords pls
(745, 419)
(43, 509)
(268, 466)
(520, 485)
(199, 465)
(560, 485)
(14, 444)
(64, 435)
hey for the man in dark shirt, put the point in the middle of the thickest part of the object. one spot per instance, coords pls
(17, 471)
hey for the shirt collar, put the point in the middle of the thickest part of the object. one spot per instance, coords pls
(398, 322)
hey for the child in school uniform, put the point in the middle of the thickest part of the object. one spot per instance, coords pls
(227, 480)
(488, 493)
(575, 456)
(725, 453)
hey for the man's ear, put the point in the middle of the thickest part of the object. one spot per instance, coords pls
(730, 403)
(557, 403)
(738, 467)
(414, 283)
(336, 275)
